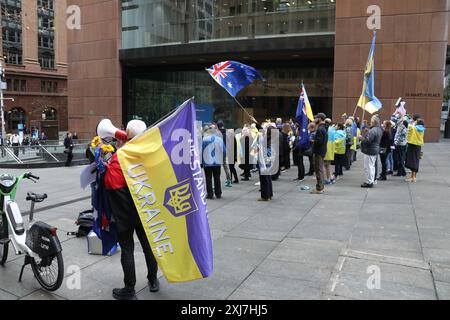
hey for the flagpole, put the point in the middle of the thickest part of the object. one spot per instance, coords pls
(240, 105)
(364, 107)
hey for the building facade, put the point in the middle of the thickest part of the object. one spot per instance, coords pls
(141, 58)
(34, 52)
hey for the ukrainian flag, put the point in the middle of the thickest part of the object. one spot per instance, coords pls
(163, 172)
(309, 112)
(368, 101)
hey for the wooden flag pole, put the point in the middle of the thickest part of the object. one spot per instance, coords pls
(250, 116)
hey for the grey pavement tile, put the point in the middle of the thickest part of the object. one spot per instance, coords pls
(437, 255)
(263, 287)
(390, 247)
(324, 231)
(7, 296)
(89, 289)
(443, 290)
(396, 282)
(266, 227)
(317, 275)
(42, 295)
(9, 276)
(441, 272)
(314, 251)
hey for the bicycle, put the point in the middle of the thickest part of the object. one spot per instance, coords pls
(39, 242)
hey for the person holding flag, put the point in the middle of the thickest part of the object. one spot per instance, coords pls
(127, 222)
(303, 144)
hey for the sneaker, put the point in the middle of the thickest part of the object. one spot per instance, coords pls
(154, 285)
(333, 181)
(124, 294)
(258, 184)
(327, 182)
(375, 182)
(236, 181)
(228, 184)
(390, 172)
(263, 200)
(316, 192)
(383, 178)
(366, 185)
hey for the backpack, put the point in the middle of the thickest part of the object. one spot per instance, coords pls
(85, 224)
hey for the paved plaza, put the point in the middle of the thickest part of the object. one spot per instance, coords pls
(299, 246)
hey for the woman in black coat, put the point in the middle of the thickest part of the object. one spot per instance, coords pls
(385, 149)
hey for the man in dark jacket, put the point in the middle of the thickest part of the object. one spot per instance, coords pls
(68, 144)
(319, 151)
(370, 147)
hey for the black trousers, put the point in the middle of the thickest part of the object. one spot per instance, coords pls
(311, 165)
(348, 154)
(300, 165)
(128, 221)
(383, 158)
(401, 158)
(69, 157)
(210, 173)
(233, 172)
(266, 186)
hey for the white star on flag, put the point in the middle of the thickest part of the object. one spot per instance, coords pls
(230, 85)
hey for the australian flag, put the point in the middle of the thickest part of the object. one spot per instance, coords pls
(303, 121)
(233, 76)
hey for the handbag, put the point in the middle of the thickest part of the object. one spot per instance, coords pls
(308, 152)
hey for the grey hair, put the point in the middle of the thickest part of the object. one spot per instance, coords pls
(376, 120)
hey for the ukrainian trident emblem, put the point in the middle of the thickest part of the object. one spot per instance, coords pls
(179, 199)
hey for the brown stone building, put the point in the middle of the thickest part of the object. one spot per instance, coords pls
(34, 49)
(140, 58)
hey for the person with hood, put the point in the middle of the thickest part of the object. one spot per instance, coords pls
(400, 141)
(340, 158)
(226, 161)
(213, 154)
(349, 141)
(370, 147)
(416, 132)
(329, 156)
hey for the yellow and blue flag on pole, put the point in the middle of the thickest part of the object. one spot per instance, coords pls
(368, 101)
(163, 172)
(309, 112)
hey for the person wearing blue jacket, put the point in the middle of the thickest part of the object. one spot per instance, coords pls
(213, 154)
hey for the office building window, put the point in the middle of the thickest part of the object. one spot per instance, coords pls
(11, 19)
(46, 34)
(16, 85)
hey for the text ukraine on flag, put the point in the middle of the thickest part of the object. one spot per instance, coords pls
(163, 172)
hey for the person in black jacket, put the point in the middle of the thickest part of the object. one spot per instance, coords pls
(319, 151)
(246, 142)
(385, 149)
(68, 144)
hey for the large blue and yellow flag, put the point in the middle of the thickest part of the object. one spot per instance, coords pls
(303, 116)
(163, 172)
(368, 101)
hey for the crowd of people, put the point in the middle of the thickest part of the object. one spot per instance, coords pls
(389, 148)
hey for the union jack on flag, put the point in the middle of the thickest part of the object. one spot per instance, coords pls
(233, 76)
